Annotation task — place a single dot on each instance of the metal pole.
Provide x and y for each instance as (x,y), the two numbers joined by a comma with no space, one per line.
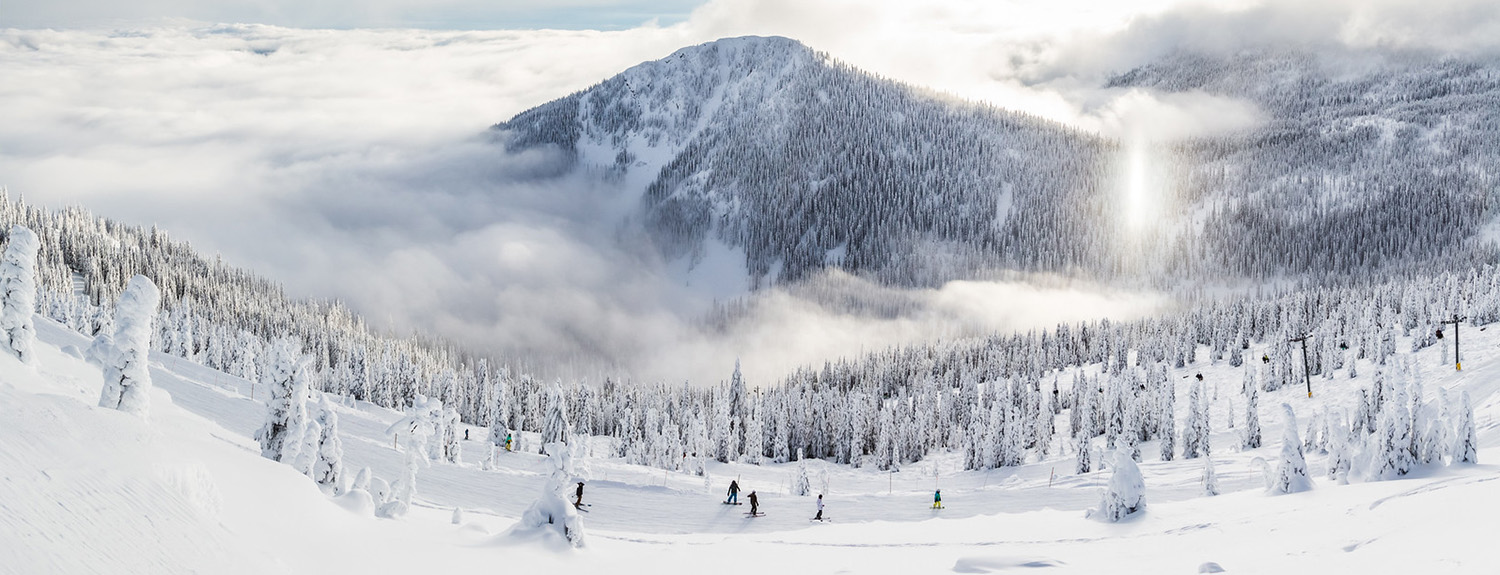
(1306,371)
(1457,365)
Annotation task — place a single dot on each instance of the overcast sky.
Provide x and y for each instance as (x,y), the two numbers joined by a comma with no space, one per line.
(345,14)
(350,163)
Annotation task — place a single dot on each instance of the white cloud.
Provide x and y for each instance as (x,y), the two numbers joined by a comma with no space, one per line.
(351,163)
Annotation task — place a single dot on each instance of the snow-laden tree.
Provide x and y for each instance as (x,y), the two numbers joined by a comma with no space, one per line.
(1125,495)
(1340,449)
(498,414)
(1044,428)
(1251,438)
(1167,422)
(307,449)
(452,449)
(801,480)
(414,433)
(552,512)
(286,412)
(1291,468)
(555,427)
(329,468)
(739,412)
(1194,442)
(1391,447)
(1083,455)
(127,379)
(754,437)
(18,294)
(1465,442)
(1210,480)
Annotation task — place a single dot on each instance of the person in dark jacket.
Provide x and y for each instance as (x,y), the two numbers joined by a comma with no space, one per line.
(579,493)
(754,504)
(734,492)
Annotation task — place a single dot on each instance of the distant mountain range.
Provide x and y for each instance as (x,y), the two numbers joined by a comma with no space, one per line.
(763,151)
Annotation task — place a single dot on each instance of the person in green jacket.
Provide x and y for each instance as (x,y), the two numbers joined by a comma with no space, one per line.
(937,499)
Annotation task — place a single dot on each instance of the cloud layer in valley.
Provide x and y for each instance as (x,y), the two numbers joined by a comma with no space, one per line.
(354,163)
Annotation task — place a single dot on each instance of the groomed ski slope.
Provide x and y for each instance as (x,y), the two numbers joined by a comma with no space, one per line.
(85,490)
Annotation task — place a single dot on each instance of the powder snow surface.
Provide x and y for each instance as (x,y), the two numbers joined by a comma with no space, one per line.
(85,489)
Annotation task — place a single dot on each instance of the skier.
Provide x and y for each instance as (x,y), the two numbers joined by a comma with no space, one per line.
(937,499)
(819,517)
(734,492)
(579,494)
(754,505)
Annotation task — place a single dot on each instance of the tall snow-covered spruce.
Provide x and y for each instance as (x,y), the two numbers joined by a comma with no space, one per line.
(286,412)
(1466,444)
(18,293)
(1291,468)
(555,428)
(329,469)
(127,377)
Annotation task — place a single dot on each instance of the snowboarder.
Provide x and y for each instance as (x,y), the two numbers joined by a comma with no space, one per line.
(734,492)
(466,435)
(507,442)
(754,505)
(937,499)
(819,517)
(579,494)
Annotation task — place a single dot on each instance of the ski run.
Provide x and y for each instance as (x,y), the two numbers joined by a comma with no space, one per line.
(184,485)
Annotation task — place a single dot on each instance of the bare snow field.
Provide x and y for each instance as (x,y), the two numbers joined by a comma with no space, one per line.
(90,490)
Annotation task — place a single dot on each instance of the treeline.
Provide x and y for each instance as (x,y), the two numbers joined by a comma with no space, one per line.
(992,398)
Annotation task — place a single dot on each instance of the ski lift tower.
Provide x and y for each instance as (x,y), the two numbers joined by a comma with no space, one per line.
(1306,372)
(1457,365)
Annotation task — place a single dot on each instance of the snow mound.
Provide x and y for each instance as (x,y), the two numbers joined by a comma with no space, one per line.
(991,564)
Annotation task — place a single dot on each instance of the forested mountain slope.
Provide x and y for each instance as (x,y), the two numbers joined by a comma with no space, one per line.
(1362,162)
(802,162)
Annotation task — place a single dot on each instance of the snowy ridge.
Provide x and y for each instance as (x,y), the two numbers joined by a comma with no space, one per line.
(803,163)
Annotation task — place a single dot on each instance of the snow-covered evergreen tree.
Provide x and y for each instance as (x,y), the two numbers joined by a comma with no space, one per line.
(1210,480)
(1392,445)
(498,415)
(329,469)
(1125,495)
(127,380)
(414,433)
(801,481)
(1465,442)
(552,511)
(286,412)
(555,427)
(1251,436)
(1083,455)
(452,449)
(1193,439)
(1291,468)
(754,441)
(1340,451)
(307,447)
(1045,426)
(18,293)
